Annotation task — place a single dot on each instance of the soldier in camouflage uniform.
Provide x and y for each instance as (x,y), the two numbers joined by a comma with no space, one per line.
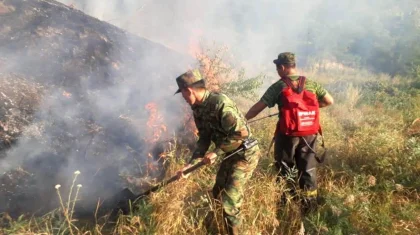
(293,151)
(218,119)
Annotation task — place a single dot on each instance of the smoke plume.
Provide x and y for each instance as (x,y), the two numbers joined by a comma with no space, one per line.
(99,85)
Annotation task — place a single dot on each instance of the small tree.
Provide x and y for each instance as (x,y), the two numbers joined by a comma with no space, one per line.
(223,77)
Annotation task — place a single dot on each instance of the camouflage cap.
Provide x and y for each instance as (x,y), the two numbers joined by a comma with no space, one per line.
(189,79)
(285,58)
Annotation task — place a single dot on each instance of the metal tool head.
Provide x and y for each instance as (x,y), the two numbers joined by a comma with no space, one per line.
(249,143)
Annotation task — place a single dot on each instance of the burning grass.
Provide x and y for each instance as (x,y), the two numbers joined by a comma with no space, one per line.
(369,185)
(52,141)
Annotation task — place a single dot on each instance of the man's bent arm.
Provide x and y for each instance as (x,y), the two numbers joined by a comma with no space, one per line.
(326,101)
(255,110)
(204,141)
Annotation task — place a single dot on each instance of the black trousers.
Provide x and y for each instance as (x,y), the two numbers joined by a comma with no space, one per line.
(291,151)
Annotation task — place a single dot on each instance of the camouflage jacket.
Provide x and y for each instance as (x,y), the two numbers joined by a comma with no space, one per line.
(218,119)
(272,96)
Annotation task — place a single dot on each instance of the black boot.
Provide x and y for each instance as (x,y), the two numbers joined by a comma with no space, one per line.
(232,229)
(309,205)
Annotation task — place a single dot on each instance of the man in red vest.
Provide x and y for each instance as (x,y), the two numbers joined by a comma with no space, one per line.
(294,149)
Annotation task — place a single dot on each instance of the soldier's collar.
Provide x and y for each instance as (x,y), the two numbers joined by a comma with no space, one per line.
(294,77)
(205,99)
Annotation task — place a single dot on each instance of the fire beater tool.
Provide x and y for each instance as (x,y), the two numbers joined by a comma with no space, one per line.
(122,202)
(256,120)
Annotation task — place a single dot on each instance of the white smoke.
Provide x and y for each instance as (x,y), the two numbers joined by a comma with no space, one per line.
(256,31)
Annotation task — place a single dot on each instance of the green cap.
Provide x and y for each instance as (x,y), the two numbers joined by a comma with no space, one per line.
(189,79)
(285,58)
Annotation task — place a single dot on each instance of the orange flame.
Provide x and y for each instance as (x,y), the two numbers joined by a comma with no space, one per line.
(189,124)
(155,129)
(155,123)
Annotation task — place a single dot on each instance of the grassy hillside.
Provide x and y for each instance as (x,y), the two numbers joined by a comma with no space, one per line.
(70,82)
(370,182)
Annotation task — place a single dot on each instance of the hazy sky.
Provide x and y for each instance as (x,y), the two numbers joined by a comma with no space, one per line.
(254,30)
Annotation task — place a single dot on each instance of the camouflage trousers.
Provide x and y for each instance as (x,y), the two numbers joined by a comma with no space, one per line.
(231,179)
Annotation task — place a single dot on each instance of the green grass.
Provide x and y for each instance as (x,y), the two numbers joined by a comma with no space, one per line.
(369,183)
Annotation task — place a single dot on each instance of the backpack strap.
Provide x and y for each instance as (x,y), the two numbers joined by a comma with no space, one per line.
(301,84)
(321,158)
(288,82)
(322,137)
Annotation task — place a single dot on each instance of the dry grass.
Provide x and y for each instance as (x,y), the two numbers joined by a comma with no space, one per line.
(19,98)
(370,182)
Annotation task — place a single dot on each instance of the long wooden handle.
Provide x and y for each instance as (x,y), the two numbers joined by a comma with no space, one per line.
(259,119)
(170,180)
(187,171)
